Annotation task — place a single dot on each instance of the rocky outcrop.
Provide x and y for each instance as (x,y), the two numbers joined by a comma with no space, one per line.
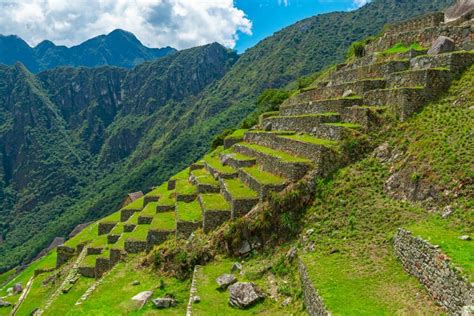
(244,294)
(435,271)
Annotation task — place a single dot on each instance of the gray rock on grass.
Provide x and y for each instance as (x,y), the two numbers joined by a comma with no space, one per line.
(224,280)
(164,302)
(244,294)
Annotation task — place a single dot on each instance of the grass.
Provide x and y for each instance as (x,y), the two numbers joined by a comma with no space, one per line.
(117,230)
(133,219)
(345,125)
(285,157)
(214,202)
(183,187)
(108,300)
(89,261)
(437,231)
(241,157)
(326,114)
(182,175)
(204,177)
(99,241)
(400,48)
(88,233)
(135,205)
(140,233)
(164,221)
(239,191)
(263,177)
(158,192)
(149,210)
(188,212)
(214,162)
(238,134)
(313,140)
(167,199)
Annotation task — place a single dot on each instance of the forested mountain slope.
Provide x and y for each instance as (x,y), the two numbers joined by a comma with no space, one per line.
(130,130)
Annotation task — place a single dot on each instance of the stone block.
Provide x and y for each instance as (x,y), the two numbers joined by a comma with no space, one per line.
(144,220)
(112,238)
(184,229)
(165,208)
(87,272)
(64,253)
(319,106)
(127,228)
(312,300)
(102,265)
(106,227)
(263,190)
(125,214)
(135,246)
(156,237)
(94,250)
(443,44)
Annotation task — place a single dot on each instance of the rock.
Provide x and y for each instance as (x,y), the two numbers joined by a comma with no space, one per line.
(467,310)
(465,237)
(142,297)
(135,283)
(164,302)
(448,210)
(267,127)
(310,231)
(245,248)
(17,288)
(236,267)
(286,302)
(442,45)
(225,280)
(36,311)
(291,254)
(382,152)
(196,299)
(459,9)
(348,93)
(4,304)
(244,294)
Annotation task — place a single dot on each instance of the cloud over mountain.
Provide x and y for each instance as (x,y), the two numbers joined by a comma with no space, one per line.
(157,23)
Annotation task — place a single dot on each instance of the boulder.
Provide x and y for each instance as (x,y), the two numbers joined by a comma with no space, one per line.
(164,302)
(196,299)
(267,127)
(225,280)
(244,294)
(465,237)
(17,288)
(4,304)
(236,267)
(348,93)
(442,45)
(245,248)
(142,297)
(135,283)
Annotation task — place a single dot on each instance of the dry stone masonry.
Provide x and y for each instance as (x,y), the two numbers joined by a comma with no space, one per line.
(435,271)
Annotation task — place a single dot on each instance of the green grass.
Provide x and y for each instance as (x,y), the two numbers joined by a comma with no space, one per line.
(133,219)
(313,140)
(437,231)
(345,125)
(188,212)
(238,190)
(283,156)
(118,229)
(135,205)
(113,295)
(89,261)
(310,115)
(99,241)
(66,302)
(401,48)
(140,233)
(238,134)
(214,202)
(204,177)
(215,163)
(167,199)
(263,177)
(182,175)
(149,210)
(159,191)
(361,285)
(164,221)
(215,302)
(183,187)
(5,276)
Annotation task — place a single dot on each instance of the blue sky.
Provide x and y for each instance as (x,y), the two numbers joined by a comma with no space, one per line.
(269,16)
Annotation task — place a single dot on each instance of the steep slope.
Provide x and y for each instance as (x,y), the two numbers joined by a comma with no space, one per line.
(118,48)
(153,135)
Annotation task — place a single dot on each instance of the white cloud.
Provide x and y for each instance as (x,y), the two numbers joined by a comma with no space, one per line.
(157,23)
(360,3)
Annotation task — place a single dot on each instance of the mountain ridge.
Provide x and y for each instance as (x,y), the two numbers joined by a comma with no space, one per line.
(117,48)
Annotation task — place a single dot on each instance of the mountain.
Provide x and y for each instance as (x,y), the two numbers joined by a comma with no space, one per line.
(118,48)
(132,129)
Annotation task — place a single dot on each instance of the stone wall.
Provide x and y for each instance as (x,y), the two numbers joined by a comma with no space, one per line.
(313,302)
(87,272)
(417,23)
(185,229)
(102,265)
(106,227)
(156,237)
(462,35)
(64,253)
(434,270)
(135,246)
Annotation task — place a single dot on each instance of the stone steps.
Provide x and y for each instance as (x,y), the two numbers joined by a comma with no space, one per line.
(216,210)
(363,116)
(320,106)
(188,218)
(277,162)
(237,160)
(218,170)
(371,71)
(435,80)
(300,123)
(204,181)
(456,61)
(240,197)
(262,182)
(403,102)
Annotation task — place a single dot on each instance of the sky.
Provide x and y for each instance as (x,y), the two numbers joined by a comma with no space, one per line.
(238,24)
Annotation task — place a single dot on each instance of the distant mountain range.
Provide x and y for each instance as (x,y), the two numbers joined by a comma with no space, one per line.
(118,48)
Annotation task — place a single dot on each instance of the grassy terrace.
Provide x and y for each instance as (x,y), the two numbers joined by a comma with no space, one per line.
(213,161)
(133,219)
(90,232)
(345,125)
(241,157)
(264,177)
(188,212)
(204,177)
(149,210)
(140,233)
(238,134)
(99,241)
(158,192)
(89,261)
(438,232)
(283,156)
(167,199)
(117,230)
(214,202)
(182,175)
(238,190)
(183,187)
(313,140)
(164,221)
(135,205)
(326,114)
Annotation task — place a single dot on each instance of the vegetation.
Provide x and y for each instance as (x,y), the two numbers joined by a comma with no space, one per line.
(400,48)
(214,202)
